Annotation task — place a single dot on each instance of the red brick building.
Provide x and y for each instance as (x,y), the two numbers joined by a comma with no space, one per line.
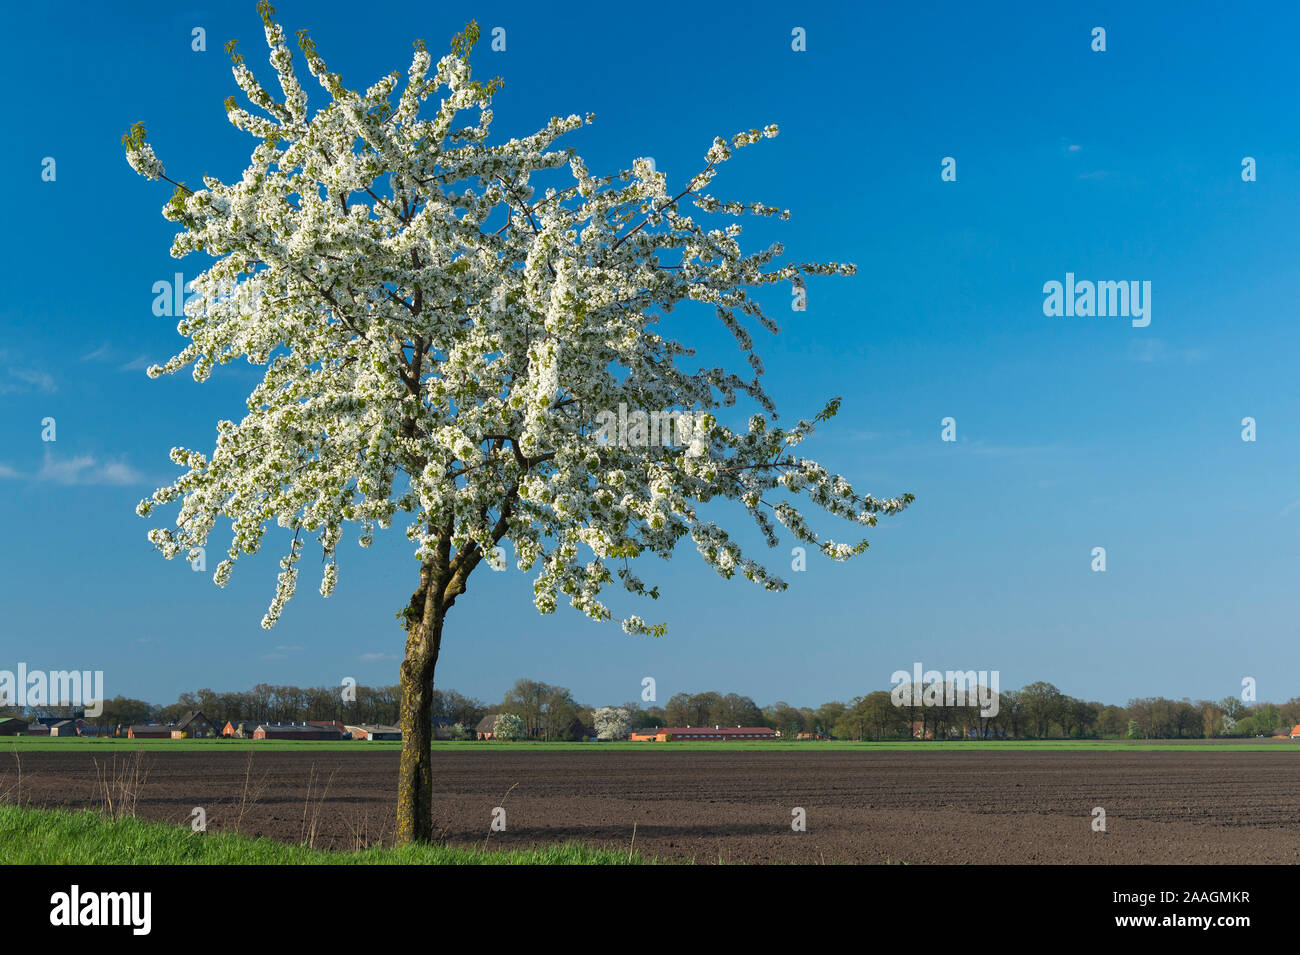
(295,731)
(667,734)
(149,731)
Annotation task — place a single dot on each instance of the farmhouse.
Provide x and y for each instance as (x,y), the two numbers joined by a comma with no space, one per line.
(12,726)
(486,727)
(1295,732)
(666,734)
(194,725)
(149,731)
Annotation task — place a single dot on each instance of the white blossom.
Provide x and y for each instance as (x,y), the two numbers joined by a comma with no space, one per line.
(438,338)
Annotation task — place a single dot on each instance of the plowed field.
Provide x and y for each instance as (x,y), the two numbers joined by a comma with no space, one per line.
(735,806)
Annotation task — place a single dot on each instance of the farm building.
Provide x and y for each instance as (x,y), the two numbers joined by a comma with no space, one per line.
(330,724)
(149,731)
(1295,732)
(66,728)
(665,734)
(295,731)
(371,731)
(245,729)
(12,726)
(486,727)
(194,725)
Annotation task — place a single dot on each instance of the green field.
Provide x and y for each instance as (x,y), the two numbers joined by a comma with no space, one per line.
(58,837)
(27,744)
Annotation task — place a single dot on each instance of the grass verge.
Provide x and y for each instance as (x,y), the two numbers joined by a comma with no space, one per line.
(59,837)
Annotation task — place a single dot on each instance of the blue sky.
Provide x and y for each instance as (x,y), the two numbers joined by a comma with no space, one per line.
(1073,432)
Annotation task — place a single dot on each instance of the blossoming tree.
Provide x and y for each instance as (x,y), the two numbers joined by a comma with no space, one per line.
(440,341)
(612,722)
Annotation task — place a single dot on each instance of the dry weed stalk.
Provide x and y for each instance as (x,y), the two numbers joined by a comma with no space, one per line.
(120,788)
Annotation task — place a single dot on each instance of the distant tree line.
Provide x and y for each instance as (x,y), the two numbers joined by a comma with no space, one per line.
(271,703)
(1041,711)
(549,712)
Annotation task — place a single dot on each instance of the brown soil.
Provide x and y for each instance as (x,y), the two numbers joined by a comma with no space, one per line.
(735,806)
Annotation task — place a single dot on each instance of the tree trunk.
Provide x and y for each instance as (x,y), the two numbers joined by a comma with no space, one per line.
(442,580)
(415,776)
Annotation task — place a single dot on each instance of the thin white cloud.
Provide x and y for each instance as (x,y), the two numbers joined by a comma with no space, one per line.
(106,353)
(26,379)
(86,469)
(7,472)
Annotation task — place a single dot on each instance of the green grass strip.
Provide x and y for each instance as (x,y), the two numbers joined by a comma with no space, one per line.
(60,837)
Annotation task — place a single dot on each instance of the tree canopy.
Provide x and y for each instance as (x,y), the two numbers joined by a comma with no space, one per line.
(444,343)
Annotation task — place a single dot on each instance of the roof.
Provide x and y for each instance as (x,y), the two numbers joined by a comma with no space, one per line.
(189,718)
(295,728)
(12,719)
(154,727)
(1296,731)
(486,724)
(714,730)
